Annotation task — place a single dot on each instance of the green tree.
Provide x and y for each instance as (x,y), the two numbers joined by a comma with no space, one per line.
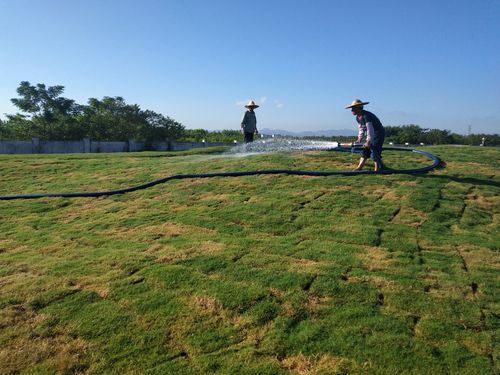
(4,130)
(195,135)
(43,101)
(410,134)
(111,119)
(437,137)
(18,126)
(158,127)
(46,114)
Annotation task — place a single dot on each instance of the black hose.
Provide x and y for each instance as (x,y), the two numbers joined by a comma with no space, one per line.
(436,162)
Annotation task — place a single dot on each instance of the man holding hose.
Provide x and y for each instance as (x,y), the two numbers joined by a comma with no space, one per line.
(370,127)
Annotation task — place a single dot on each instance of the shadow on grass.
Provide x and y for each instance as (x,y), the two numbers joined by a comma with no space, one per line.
(466,180)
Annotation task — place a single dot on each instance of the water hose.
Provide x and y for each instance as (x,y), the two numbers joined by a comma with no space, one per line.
(95,194)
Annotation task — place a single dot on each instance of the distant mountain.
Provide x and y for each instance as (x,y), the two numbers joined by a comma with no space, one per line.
(310,133)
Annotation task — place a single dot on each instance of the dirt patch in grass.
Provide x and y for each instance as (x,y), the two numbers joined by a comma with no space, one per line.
(409,216)
(186,183)
(15,248)
(60,246)
(160,249)
(476,345)
(375,259)
(448,290)
(215,196)
(304,265)
(84,207)
(428,246)
(340,189)
(264,236)
(16,277)
(407,183)
(393,195)
(255,199)
(484,202)
(438,287)
(176,229)
(478,257)
(316,304)
(64,354)
(378,281)
(382,192)
(177,208)
(19,283)
(171,258)
(28,347)
(309,365)
(171,254)
(168,229)
(13,315)
(207,305)
(94,286)
(478,168)
(275,292)
(211,247)
(317,192)
(376,192)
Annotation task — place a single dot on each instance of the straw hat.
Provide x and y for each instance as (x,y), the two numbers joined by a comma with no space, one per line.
(356,103)
(251,104)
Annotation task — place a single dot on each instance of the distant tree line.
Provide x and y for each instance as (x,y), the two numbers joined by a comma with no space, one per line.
(198,135)
(47,115)
(414,134)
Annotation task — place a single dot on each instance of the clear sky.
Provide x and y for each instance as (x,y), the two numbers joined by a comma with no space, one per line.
(434,63)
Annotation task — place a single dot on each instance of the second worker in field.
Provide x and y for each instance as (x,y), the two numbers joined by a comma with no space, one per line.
(249,122)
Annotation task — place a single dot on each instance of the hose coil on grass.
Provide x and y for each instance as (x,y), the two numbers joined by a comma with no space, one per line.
(436,162)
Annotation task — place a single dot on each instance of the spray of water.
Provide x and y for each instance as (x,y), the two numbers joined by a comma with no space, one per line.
(281,145)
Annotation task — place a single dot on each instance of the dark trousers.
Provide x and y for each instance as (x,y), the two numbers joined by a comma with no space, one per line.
(376,146)
(248,137)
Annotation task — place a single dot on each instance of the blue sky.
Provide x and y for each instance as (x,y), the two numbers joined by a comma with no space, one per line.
(435,63)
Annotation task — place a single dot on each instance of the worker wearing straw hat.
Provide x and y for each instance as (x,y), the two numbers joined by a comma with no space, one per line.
(249,122)
(371,127)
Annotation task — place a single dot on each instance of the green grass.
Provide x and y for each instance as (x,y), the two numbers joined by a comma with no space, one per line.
(272,274)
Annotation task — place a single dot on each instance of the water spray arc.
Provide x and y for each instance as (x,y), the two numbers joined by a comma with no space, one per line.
(434,158)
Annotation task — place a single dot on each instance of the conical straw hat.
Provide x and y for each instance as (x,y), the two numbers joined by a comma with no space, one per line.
(356,103)
(251,104)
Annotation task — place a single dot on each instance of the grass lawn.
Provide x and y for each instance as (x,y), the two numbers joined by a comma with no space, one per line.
(274,274)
